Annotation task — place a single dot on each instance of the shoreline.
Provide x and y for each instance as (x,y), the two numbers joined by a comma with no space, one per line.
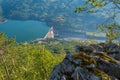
(4,21)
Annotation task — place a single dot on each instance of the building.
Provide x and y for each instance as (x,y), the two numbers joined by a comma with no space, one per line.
(50,33)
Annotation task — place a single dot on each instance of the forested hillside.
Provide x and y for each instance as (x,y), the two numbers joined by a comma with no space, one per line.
(25,61)
(57,13)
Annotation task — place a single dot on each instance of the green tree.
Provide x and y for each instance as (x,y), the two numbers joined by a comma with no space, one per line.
(4,44)
(92,5)
(112,32)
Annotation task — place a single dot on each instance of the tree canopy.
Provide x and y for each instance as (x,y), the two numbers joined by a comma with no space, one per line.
(25,61)
(111,29)
(92,5)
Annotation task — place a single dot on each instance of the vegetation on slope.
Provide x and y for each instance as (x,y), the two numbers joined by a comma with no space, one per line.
(25,61)
(57,13)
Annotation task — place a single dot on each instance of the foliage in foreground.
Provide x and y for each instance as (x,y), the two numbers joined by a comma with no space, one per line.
(92,5)
(112,32)
(25,61)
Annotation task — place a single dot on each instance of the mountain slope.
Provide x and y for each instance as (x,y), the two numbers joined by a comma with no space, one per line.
(57,13)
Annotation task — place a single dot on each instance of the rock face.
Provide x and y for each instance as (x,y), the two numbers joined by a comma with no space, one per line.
(93,62)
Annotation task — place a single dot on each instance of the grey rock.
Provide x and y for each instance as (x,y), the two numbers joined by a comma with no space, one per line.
(82,74)
(117,56)
(72,69)
(97,47)
(86,49)
(110,68)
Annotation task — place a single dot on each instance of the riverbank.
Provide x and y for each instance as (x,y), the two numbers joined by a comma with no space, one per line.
(3,21)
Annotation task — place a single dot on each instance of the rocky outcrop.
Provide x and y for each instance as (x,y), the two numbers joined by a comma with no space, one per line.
(93,62)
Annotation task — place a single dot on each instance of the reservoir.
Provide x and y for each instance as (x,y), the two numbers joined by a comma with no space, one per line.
(24,30)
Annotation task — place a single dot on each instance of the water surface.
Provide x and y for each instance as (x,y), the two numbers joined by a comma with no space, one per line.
(24,30)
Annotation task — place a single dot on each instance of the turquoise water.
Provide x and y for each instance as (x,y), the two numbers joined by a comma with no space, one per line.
(24,30)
